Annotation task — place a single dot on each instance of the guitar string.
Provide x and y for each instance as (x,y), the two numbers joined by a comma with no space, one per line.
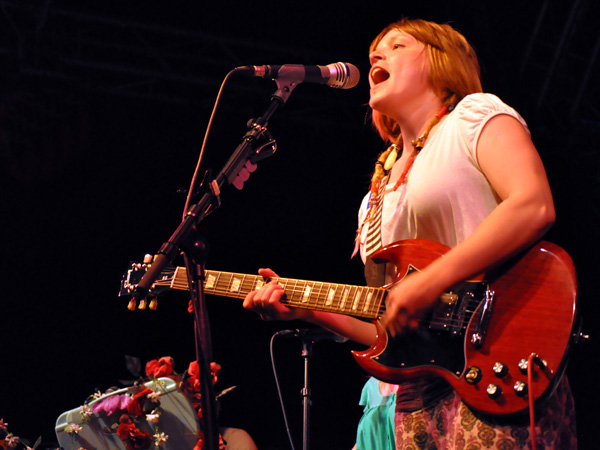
(299,289)
(297,293)
(246,285)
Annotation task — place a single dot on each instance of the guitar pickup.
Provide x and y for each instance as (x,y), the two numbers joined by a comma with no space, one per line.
(484,319)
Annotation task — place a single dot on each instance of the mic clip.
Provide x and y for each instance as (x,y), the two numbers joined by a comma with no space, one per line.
(264,144)
(313,335)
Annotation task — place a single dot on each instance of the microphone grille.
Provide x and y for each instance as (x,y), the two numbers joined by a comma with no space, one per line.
(343,75)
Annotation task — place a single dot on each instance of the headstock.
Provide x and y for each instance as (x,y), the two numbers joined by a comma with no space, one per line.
(132,277)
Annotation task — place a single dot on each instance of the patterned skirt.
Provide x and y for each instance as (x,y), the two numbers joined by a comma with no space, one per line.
(450,425)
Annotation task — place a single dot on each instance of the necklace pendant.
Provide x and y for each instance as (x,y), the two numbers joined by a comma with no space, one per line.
(418,143)
(391,158)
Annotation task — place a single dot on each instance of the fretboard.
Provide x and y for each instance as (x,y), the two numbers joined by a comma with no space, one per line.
(358,301)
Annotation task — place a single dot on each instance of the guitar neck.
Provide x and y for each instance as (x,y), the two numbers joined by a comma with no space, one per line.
(358,301)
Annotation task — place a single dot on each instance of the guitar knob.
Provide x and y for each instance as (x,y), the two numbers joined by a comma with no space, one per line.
(523,365)
(520,388)
(473,375)
(500,369)
(494,391)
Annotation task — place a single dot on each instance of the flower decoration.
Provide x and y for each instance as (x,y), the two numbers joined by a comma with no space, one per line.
(141,404)
(132,437)
(73,428)
(139,407)
(160,439)
(153,417)
(162,367)
(112,403)
(9,441)
(86,413)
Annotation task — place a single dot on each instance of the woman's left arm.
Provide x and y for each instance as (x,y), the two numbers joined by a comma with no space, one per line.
(515,171)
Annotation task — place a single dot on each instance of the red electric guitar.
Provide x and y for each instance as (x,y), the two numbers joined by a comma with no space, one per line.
(479,336)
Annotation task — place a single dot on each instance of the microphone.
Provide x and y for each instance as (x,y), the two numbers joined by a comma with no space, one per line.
(313,335)
(338,75)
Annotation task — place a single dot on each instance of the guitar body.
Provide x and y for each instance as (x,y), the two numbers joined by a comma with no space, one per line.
(532,311)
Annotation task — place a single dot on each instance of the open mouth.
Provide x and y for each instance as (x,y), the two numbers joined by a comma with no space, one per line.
(378,75)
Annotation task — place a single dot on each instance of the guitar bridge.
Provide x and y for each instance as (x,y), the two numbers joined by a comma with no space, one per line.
(456,307)
(486,311)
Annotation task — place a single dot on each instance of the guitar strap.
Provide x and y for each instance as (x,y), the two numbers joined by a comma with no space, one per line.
(375,272)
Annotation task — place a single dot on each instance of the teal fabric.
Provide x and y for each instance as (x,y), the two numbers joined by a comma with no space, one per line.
(376,426)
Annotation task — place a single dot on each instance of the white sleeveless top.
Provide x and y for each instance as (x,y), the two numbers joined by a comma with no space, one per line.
(447,196)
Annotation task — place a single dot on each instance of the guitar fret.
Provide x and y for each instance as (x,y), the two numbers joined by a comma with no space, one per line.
(235,284)
(356,301)
(330,296)
(306,293)
(228,280)
(351,295)
(283,283)
(217,280)
(175,280)
(319,295)
(294,290)
(344,297)
(244,286)
(210,281)
(339,296)
(368,300)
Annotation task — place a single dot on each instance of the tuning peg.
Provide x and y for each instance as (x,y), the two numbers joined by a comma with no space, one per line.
(143,304)
(148,259)
(132,304)
(153,304)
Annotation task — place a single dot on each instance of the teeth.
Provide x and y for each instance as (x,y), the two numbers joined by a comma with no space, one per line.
(378,75)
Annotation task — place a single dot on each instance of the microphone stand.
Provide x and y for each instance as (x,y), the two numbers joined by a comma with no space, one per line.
(307,345)
(185,240)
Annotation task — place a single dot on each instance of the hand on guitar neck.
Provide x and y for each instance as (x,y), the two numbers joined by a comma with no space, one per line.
(266,301)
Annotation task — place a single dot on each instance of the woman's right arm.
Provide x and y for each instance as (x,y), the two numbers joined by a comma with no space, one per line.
(266,301)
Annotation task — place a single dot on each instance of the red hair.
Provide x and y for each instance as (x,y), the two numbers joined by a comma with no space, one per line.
(453,66)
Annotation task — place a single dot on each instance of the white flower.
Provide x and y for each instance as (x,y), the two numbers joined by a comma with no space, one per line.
(86,411)
(160,438)
(11,441)
(153,417)
(73,428)
(154,396)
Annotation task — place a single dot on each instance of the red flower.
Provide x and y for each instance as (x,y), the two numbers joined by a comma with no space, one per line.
(142,393)
(194,371)
(200,442)
(135,406)
(160,368)
(132,436)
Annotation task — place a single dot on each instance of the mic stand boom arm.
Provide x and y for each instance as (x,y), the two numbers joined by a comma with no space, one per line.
(198,212)
(183,239)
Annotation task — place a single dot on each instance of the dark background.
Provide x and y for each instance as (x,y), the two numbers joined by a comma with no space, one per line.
(103,109)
